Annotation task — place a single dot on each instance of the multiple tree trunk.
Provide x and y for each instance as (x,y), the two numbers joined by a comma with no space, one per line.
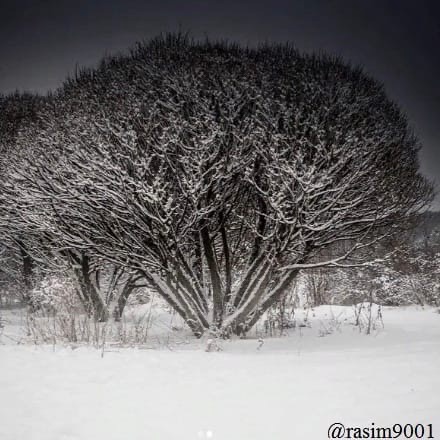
(214,171)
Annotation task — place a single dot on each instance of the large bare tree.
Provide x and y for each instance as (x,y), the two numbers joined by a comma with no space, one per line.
(28,245)
(219,172)
(17,110)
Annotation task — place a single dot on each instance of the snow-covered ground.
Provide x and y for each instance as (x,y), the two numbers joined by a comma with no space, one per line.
(292,387)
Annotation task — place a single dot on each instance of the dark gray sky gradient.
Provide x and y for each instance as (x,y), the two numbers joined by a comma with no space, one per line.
(397,41)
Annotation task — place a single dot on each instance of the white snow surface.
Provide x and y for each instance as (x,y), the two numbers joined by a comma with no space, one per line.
(293,387)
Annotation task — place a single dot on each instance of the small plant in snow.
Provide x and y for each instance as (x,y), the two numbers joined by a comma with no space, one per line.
(56,294)
(368,316)
(56,314)
(330,326)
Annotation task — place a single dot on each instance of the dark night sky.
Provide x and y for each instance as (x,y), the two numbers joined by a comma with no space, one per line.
(396,41)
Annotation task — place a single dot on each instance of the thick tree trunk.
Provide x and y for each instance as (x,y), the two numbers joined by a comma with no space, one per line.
(93,302)
(122,301)
(216,284)
(195,320)
(27,272)
(274,296)
(228,268)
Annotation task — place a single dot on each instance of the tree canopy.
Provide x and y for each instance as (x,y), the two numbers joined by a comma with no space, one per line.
(217,171)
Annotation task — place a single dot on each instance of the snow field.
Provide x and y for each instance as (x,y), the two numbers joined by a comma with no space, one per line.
(293,387)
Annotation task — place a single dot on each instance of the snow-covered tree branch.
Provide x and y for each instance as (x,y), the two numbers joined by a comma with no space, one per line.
(219,172)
